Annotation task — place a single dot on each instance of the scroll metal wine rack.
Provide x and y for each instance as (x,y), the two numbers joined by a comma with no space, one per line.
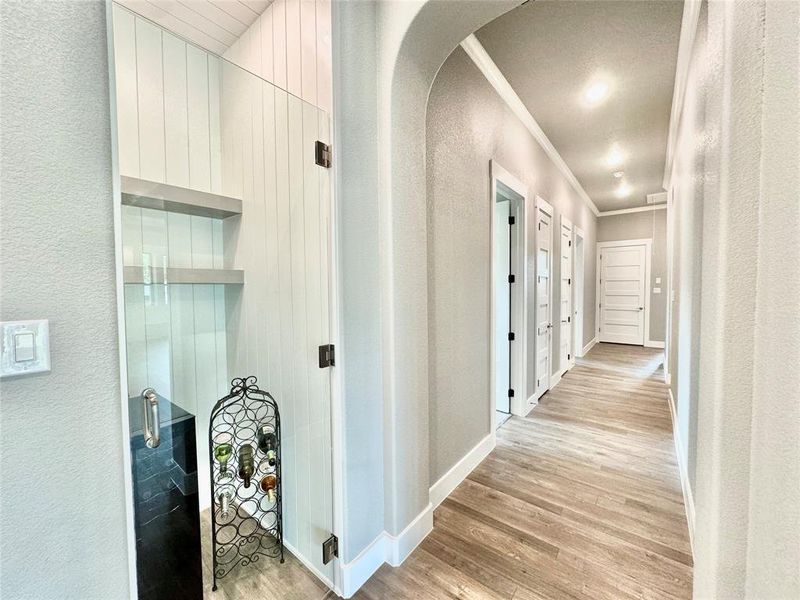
(246,512)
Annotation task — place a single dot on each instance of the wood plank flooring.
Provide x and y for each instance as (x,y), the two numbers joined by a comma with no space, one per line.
(580,499)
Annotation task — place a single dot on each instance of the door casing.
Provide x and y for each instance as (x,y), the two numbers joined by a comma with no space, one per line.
(542,206)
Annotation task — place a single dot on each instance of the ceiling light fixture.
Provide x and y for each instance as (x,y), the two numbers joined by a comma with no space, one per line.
(618,174)
(615,157)
(596,92)
(623,191)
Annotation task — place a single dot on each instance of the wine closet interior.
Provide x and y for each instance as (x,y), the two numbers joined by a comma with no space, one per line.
(225,222)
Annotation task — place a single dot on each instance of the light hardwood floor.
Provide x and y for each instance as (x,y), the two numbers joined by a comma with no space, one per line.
(580,499)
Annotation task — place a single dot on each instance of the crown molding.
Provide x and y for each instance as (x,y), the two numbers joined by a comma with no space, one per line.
(495,77)
(627,211)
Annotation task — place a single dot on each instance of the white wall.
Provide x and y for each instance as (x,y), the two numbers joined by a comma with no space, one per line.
(62,507)
(735,184)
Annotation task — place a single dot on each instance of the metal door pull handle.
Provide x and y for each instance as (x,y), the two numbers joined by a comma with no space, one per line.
(152,429)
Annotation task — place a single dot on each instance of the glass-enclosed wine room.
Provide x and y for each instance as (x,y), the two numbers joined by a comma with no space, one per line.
(225,227)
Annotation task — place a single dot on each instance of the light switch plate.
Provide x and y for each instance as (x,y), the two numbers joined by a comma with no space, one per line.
(25,347)
(656,290)
(658,279)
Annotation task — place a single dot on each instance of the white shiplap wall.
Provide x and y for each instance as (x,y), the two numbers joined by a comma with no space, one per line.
(289,45)
(189,118)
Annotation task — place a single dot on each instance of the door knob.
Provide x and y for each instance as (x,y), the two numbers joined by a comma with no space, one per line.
(151,427)
(641,308)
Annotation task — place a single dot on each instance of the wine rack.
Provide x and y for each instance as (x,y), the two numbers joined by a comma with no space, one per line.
(246,516)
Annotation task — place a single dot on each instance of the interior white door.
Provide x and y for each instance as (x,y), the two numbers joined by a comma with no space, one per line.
(544,260)
(565,338)
(622,294)
(502,303)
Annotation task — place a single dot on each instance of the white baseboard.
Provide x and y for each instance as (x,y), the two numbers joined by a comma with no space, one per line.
(653,344)
(688,497)
(555,379)
(588,346)
(458,472)
(400,546)
(362,567)
(385,548)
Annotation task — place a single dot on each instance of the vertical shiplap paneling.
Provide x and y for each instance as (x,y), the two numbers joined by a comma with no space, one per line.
(287,337)
(127,95)
(272,309)
(294,61)
(183,347)
(215,126)
(206,370)
(175,111)
(131,235)
(202,243)
(267,50)
(179,234)
(308,50)
(279,43)
(258,217)
(150,88)
(155,251)
(223,381)
(199,132)
(300,364)
(314,336)
(324,56)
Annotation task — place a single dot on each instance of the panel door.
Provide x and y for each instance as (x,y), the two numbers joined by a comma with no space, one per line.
(544,260)
(565,339)
(502,303)
(622,294)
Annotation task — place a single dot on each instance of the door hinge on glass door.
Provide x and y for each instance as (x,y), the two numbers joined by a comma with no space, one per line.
(327,356)
(330,549)
(322,154)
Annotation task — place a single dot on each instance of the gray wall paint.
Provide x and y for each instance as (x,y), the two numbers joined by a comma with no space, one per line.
(468,125)
(61,430)
(356,171)
(635,226)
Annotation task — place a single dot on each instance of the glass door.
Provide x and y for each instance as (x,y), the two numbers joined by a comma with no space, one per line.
(226,253)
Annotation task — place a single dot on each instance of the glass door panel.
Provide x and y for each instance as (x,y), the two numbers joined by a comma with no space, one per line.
(226,253)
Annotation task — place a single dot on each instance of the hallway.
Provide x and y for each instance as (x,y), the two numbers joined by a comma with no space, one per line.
(580,499)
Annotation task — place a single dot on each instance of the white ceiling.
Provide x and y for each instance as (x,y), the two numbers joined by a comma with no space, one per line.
(549,51)
(212,24)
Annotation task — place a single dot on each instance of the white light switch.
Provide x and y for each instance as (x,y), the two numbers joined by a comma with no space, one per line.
(25,347)
(656,290)
(658,279)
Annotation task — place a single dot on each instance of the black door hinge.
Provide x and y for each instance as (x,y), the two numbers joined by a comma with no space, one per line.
(569,281)
(512,220)
(569,356)
(510,393)
(569,319)
(510,336)
(540,225)
(330,549)
(511,279)
(570,242)
(322,154)
(327,356)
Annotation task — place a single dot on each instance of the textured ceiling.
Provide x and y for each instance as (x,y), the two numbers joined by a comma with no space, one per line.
(211,24)
(549,51)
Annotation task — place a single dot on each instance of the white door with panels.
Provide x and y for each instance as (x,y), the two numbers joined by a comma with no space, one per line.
(623,292)
(543,316)
(565,337)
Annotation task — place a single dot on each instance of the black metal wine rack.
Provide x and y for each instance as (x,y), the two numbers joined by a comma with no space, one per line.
(245,524)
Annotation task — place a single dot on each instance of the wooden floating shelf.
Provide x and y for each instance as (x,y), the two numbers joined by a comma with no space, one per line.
(172,198)
(150,275)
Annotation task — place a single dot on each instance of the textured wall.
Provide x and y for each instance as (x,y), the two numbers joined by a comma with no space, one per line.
(642,225)
(63,521)
(468,124)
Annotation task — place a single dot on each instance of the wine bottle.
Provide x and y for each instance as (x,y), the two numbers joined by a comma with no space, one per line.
(268,485)
(224,499)
(223,453)
(268,443)
(246,464)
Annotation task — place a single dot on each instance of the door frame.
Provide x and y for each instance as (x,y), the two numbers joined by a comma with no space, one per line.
(648,253)
(567,224)
(543,206)
(518,355)
(578,308)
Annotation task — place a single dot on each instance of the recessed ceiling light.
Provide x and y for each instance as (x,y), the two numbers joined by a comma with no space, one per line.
(623,191)
(615,157)
(596,92)
(618,174)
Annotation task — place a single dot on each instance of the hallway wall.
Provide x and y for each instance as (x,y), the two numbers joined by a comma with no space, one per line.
(63,521)
(468,125)
(642,225)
